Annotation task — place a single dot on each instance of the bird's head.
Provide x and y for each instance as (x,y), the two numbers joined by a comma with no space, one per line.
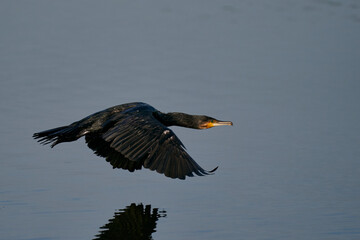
(189,121)
(205,122)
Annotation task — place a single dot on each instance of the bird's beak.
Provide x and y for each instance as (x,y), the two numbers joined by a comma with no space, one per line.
(222,123)
(217,123)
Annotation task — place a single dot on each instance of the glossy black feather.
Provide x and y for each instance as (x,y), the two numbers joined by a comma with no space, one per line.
(140,137)
(131,136)
(116,159)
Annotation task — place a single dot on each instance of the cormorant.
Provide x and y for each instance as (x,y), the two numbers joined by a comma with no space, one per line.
(133,135)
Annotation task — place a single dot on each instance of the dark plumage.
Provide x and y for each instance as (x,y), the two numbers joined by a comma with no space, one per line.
(133,135)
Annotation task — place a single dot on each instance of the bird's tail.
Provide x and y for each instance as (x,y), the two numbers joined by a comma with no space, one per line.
(57,135)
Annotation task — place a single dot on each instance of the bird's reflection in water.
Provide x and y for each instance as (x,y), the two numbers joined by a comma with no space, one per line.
(134,222)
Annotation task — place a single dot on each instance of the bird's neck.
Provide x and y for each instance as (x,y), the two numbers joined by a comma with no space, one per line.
(177,119)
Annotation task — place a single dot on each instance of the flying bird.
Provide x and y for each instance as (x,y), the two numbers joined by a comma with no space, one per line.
(135,135)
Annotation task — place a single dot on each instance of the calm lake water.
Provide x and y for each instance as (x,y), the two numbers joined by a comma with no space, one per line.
(285,72)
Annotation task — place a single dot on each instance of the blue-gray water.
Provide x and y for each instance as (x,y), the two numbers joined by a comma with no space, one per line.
(285,72)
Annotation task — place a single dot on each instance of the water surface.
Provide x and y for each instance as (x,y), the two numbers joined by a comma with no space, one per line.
(285,72)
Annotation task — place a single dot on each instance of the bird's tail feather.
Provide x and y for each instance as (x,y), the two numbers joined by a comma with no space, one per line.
(57,135)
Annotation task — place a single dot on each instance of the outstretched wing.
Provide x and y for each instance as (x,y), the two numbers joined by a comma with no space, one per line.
(138,138)
(116,159)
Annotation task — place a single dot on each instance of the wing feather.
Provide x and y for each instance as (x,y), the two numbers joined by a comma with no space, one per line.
(139,139)
(116,159)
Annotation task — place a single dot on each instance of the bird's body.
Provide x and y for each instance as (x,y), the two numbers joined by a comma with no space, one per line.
(133,135)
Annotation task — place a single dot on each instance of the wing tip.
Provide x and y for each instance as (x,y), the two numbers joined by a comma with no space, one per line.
(198,172)
(212,171)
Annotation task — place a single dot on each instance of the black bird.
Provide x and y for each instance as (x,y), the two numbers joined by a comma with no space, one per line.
(133,135)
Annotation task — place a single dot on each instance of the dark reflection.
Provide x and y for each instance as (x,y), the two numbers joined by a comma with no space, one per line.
(133,222)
